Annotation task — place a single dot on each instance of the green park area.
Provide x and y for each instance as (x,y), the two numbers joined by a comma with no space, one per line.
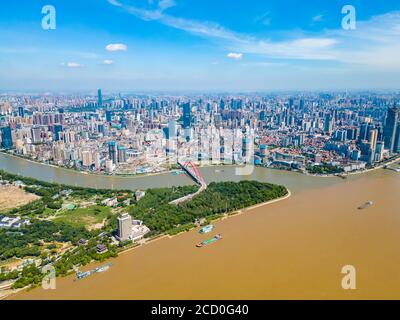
(92,217)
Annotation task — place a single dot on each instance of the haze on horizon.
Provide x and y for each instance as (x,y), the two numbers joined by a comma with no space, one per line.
(187,45)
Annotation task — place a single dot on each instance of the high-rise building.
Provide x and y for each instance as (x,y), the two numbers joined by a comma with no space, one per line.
(100,128)
(99,99)
(380,146)
(355,155)
(397,140)
(21,111)
(390,129)
(363,132)
(58,128)
(373,138)
(166,133)
(109,166)
(246,149)
(6,138)
(341,135)
(301,104)
(187,115)
(112,151)
(351,134)
(109,115)
(172,129)
(121,154)
(187,120)
(328,124)
(124,227)
(36,133)
(87,159)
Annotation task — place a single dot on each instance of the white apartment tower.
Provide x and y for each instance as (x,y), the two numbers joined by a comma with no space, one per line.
(124,227)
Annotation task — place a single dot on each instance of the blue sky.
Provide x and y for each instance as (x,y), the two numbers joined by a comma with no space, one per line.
(202,45)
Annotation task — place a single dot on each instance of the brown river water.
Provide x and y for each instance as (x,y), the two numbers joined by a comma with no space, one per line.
(292,249)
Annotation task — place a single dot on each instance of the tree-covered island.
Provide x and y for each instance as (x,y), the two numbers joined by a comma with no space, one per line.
(67,224)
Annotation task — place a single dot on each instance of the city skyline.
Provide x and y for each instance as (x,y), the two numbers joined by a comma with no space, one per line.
(137,134)
(168,45)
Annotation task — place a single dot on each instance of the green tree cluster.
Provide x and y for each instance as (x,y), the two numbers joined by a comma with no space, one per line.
(160,216)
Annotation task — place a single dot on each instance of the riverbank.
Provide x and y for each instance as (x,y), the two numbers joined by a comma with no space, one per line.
(117,175)
(155,178)
(130,176)
(293,249)
(345,174)
(143,243)
(232,194)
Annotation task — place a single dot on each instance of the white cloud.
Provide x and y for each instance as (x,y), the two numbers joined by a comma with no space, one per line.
(115,3)
(108,62)
(112,47)
(374,43)
(200,28)
(72,65)
(302,49)
(235,56)
(318,18)
(166,4)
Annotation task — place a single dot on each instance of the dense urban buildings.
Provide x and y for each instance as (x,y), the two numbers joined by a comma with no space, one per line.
(134,134)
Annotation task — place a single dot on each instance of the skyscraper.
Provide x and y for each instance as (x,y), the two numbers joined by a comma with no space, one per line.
(373,138)
(363,132)
(380,146)
(328,124)
(172,129)
(390,130)
(6,138)
(187,120)
(112,151)
(99,99)
(397,140)
(121,154)
(109,115)
(21,111)
(58,128)
(124,227)
(36,134)
(301,104)
(187,117)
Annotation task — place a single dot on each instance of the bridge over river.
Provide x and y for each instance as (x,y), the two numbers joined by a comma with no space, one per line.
(192,171)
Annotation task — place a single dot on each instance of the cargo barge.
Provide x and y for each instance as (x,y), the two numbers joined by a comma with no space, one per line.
(209,241)
(365,205)
(83,275)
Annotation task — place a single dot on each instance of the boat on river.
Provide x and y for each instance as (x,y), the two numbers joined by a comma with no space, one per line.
(206,229)
(83,275)
(103,268)
(209,241)
(366,205)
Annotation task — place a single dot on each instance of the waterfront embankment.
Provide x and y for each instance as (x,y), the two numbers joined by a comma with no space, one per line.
(292,249)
